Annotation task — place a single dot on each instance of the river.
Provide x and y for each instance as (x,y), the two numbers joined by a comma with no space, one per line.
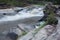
(29,16)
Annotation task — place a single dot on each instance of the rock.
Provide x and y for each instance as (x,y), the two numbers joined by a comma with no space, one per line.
(25,27)
(51,32)
(15,30)
(44,33)
(50,29)
(10,10)
(58,13)
(17,9)
(12,36)
(20,29)
(40,35)
(55,35)
(50,7)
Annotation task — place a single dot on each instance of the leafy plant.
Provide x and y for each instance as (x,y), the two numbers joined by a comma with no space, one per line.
(51,18)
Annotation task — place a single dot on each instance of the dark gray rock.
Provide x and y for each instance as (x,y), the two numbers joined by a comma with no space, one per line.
(12,36)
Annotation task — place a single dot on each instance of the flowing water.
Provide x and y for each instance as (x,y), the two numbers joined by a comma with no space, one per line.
(26,16)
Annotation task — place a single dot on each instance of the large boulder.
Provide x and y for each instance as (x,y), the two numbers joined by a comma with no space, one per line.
(12,36)
(44,33)
(40,35)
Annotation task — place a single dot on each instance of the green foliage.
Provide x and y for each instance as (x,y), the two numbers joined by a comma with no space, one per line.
(23,33)
(13,2)
(40,27)
(51,18)
(23,2)
(54,1)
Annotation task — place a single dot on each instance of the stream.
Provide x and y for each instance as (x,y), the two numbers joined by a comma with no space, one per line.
(28,16)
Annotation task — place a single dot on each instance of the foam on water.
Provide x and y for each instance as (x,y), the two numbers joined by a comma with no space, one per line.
(23,14)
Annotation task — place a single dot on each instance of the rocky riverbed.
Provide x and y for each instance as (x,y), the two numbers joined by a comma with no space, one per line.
(28,27)
(9,23)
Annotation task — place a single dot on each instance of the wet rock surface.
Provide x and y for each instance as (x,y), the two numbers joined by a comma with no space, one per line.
(40,35)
